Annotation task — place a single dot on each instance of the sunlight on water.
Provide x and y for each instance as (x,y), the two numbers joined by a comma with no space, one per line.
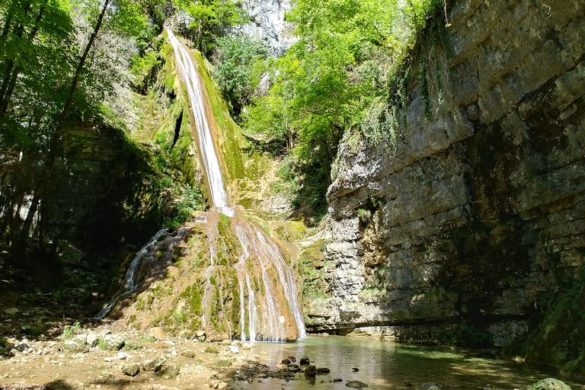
(387,365)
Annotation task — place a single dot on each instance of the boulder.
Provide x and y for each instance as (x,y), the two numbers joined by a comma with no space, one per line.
(168,371)
(549,384)
(131,369)
(154,365)
(74,346)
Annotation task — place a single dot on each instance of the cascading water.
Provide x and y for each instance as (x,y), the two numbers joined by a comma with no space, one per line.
(266,285)
(130,283)
(206,145)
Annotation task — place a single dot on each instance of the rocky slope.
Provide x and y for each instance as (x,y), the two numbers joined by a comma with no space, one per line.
(470,217)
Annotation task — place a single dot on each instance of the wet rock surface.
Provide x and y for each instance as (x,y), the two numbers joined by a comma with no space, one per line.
(357,385)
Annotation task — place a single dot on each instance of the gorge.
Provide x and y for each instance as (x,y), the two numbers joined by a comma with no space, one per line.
(345,190)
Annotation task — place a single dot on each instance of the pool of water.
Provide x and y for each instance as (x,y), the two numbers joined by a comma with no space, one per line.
(387,365)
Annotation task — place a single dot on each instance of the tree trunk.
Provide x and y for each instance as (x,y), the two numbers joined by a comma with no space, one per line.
(47,180)
(21,240)
(8,22)
(6,94)
(78,70)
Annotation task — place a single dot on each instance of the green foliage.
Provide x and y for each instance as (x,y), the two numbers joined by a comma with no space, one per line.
(239,68)
(41,67)
(71,330)
(312,261)
(557,342)
(210,19)
(190,200)
(334,78)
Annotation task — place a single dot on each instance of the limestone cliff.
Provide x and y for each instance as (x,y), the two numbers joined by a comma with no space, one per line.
(268,23)
(471,216)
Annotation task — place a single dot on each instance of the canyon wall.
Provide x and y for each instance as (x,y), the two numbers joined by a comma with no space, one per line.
(469,219)
(267,22)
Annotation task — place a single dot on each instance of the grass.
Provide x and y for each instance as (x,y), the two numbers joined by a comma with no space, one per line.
(71,331)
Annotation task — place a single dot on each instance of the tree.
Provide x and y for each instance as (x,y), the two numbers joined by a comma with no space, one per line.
(328,82)
(210,19)
(239,63)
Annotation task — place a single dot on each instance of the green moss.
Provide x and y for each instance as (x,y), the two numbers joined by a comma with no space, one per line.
(558,341)
(313,271)
(228,244)
(194,297)
(230,137)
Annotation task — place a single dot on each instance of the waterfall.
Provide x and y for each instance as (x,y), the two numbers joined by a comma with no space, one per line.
(206,145)
(271,307)
(130,283)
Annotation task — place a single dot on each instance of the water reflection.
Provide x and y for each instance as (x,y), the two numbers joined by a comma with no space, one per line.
(386,365)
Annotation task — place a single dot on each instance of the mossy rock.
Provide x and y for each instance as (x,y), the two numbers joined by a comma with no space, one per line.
(549,384)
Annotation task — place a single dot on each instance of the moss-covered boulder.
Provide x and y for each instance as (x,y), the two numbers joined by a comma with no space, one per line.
(549,384)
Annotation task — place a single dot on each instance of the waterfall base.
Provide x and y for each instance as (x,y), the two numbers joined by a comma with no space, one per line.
(219,276)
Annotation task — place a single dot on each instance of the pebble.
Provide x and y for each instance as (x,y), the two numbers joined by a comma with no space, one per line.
(356,384)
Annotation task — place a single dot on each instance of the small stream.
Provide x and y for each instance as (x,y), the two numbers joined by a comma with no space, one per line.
(387,365)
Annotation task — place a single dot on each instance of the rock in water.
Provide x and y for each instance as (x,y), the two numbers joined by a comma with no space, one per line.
(293,367)
(310,371)
(131,370)
(549,384)
(305,361)
(356,384)
(323,371)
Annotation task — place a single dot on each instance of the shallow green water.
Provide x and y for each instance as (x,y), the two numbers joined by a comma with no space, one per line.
(387,365)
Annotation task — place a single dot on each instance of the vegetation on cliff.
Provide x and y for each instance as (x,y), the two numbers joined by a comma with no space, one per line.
(330,80)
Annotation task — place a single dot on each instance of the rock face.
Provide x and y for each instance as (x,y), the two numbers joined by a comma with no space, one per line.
(471,217)
(268,23)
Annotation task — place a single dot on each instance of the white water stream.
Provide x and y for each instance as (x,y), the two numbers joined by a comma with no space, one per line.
(130,284)
(256,246)
(196,95)
(267,287)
